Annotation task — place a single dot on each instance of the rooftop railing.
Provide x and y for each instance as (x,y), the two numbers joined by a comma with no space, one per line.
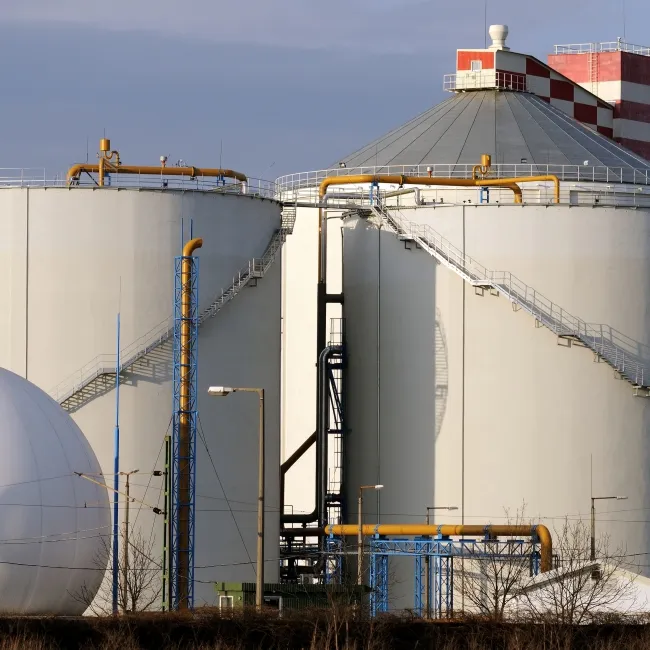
(487,79)
(607,46)
(38,177)
(566,173)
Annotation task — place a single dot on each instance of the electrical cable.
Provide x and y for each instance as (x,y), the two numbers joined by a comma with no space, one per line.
(213,498)
(74,532)
(205,443)
(137,514)
(36,480)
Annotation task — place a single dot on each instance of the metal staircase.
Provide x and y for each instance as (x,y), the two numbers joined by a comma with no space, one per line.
(98,376)
(623,354)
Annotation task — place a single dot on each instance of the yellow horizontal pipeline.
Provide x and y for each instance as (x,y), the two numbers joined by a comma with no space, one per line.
(507,183)
(411,530)
(75,171)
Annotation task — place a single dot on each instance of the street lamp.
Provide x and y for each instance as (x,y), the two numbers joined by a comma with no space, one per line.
(360,536)
(224,391)
(593,521)
(427,570)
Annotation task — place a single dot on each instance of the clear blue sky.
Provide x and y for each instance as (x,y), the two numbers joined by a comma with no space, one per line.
(297,83)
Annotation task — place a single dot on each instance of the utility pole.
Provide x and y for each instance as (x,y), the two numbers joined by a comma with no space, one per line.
(259,584)
(125,546)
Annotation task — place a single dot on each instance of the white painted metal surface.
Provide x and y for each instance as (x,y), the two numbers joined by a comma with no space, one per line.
(71,259)
(524,411)
(52,522)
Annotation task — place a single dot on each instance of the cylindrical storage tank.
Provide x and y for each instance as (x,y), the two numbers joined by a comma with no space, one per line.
(54,524)
(71,260)
(457,399)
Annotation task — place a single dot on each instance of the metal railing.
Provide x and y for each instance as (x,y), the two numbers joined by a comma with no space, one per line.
(286,185)
(487,79)
(622,353)
(38,177)
(608,46)
(105,364)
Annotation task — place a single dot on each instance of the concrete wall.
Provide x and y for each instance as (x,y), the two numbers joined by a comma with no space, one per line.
(524,415)
(71,259)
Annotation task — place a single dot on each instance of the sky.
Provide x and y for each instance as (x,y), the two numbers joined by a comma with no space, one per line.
(267,86)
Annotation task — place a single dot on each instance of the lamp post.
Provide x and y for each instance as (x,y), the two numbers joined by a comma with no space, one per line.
(427,570)
(223,391)
(593,522)
(360,536)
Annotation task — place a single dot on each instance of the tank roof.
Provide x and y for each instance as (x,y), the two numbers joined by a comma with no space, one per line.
(514,127)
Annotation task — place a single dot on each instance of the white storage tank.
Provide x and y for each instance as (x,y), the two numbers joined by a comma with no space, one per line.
(453,397)
(72,258)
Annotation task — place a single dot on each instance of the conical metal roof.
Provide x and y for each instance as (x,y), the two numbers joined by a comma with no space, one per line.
(514,127)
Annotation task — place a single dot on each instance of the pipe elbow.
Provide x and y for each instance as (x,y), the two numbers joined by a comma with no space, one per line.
(238,176)
(517,192)
(546,544)
(191,246)
(74,172)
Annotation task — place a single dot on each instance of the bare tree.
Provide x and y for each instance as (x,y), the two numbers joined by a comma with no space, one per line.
(139,578)
(493,579)
(581,590)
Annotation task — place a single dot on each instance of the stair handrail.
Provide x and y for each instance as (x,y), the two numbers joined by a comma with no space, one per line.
(619,350)
(163,331)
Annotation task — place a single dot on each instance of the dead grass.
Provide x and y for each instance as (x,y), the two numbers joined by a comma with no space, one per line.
(312,630)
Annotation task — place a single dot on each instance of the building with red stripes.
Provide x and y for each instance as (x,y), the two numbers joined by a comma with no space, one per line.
(618,73)
(498,67)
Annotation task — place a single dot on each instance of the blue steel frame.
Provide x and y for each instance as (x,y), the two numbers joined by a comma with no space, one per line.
(441,551)
(378,582)
(191,414)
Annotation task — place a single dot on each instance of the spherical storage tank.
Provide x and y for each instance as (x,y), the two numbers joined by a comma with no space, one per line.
(73,257)
(53,522)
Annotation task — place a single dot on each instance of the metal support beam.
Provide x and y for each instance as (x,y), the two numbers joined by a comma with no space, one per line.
(441,552)
(186,321)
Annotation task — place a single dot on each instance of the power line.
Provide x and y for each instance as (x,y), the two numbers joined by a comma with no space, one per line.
(74,532)
(137,514)
(36,480)
(205,443)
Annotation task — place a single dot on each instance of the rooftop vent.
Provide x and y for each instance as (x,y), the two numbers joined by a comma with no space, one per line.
(498,34)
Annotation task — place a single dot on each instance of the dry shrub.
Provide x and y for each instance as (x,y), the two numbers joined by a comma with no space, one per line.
(329,629)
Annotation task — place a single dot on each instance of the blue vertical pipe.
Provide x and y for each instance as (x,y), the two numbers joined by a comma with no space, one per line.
(116,468)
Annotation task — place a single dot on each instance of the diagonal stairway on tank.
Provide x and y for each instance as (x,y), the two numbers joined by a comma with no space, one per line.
(152,352)
(620,352)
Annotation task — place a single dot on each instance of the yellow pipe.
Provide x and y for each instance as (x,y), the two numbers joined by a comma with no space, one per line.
(507,183)
(411,530)
(532,179)
(76,170)
(184,422)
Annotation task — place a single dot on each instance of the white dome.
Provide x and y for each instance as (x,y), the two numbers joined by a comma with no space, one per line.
(49,517)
